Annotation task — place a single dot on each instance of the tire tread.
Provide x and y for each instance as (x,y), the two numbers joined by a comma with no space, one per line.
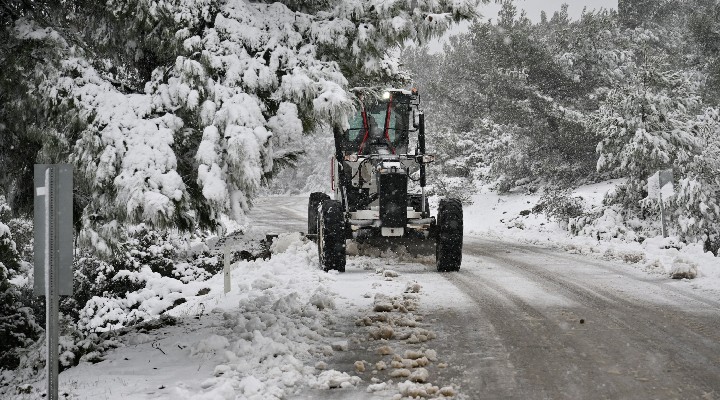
(332,249)
(450,235)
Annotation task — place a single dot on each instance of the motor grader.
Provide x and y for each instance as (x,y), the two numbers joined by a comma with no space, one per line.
(373,170)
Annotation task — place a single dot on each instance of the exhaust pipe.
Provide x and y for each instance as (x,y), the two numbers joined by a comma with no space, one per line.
(421,149)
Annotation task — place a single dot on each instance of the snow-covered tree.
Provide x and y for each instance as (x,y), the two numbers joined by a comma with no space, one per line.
(697,201)
(561,98)
(175,112)
(505,76)
(643,118)
(704,27)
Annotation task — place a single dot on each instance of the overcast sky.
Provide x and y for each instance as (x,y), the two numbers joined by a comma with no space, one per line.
(533,7)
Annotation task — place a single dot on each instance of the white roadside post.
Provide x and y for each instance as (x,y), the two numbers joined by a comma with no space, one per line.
(667,190)
(660,185)
(53,233)
(226,267)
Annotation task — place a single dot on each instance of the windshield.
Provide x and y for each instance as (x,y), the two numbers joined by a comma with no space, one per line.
(377,115)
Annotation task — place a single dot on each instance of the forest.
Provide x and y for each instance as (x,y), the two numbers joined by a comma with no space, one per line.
(177,115)
(551,105)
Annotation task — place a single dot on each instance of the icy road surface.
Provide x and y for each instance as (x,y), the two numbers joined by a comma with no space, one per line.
(520,321)
(542,324)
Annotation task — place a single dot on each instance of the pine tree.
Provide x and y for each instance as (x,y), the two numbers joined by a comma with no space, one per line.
(642,118)
(504,76)
(697,201)
(174,113)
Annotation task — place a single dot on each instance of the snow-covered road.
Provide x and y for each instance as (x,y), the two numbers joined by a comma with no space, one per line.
(278,214)
(518,321)
(521,321)
(545,324)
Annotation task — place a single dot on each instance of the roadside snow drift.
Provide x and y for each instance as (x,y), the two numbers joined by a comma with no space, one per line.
(509,216)
(259,341)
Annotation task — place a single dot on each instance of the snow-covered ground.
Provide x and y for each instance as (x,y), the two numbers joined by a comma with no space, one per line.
(494,215)
(256,341)
(275,334)
(288,330)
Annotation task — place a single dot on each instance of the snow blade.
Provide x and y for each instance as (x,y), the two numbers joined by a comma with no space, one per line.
(398,245)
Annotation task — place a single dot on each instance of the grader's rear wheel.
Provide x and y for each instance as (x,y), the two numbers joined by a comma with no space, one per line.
(448,248)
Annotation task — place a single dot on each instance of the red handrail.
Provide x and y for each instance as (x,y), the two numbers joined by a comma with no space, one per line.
(367,129)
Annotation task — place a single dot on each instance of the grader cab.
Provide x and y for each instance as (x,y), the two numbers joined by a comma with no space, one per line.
(372,171)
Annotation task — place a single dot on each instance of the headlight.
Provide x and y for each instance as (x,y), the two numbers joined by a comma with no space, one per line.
(351,157)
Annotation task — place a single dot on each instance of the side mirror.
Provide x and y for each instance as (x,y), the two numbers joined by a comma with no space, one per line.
(425,158)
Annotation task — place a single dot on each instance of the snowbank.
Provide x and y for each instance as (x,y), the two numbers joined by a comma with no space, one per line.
(510,216)
(259,341)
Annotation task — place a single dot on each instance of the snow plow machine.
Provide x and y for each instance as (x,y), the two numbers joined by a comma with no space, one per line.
(372,172)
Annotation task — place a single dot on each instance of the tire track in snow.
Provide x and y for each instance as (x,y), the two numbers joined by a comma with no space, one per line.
(680,295)
(546,365)
(681,349)
(478,360)
(706,330)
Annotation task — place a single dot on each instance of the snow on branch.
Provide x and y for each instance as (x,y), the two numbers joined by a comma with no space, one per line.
(236,83)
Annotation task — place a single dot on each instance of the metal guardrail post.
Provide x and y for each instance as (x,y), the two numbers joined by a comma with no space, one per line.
(53,254)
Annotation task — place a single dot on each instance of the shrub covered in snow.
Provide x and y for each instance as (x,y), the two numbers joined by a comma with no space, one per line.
(605,223)
(17,323)
(560,205)
(155,272)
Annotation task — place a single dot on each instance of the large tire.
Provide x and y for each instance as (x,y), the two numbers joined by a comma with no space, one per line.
(448,246)
(331,236)
(315,199)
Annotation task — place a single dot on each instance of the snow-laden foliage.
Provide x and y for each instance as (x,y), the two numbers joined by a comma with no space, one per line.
(697,201)
(17,323)
(564,102)
(704,26)
(649,121)
(154,273)
(512,98)
(180,110)
(642,120)
(464,159)
(151,273)
(310,171)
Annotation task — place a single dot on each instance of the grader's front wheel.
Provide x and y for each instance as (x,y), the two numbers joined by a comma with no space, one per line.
(331,236)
